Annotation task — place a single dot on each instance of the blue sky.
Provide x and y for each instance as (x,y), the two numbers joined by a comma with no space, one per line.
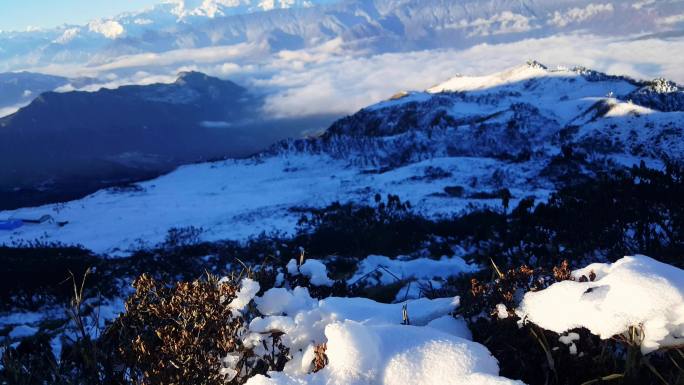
(17,15)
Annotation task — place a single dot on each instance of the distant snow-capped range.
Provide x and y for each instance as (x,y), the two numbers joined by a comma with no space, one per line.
(264,27)
(529,129)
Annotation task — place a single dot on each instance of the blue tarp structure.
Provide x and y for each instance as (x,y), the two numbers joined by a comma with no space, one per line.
(10,225)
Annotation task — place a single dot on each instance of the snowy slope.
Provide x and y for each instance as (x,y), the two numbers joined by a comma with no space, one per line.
(475,135)
(241,198)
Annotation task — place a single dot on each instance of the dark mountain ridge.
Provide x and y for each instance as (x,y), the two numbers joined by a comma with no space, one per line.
(63,140)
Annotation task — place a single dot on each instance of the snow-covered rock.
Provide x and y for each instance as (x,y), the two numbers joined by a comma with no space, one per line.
(635,291)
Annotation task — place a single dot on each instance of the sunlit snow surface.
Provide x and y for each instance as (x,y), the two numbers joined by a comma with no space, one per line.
(635,292)
(237,199)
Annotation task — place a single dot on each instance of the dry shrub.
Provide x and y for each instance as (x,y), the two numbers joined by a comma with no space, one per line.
(484,296)
(562,272)
(179,334)
(320,358)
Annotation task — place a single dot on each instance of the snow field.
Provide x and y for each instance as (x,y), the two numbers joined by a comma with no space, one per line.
(239,199)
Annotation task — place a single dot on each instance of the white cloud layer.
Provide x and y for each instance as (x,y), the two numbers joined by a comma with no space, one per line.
(143,21)
(671,20)
(642,3)
(344,84)
(331,80)
(5,111)
(110,29)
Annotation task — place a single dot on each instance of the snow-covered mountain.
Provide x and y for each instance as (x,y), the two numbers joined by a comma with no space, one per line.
(529,129)
(131,127)
(366,26)
(523,114)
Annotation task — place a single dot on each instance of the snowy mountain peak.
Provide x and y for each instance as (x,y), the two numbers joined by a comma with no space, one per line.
(529,109)
(520,73)
(193,77)
(216,8)
(659,94)
(536,64)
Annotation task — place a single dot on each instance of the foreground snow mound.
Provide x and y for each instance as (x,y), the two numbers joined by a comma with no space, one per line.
(367,343)
(396,355)
(634,291)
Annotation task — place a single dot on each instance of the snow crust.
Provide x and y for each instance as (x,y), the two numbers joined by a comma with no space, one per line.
(635,291)
(420,274)
(569,340)
(618,109)
(560,94)
(501,311)
(451,325)
(281,301)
